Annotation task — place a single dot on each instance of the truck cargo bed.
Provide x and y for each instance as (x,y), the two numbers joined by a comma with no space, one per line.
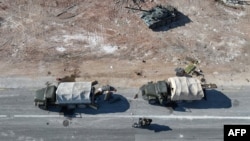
(73,93)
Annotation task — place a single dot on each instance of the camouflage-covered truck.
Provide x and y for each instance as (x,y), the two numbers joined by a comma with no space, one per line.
(69,94)
(174,89)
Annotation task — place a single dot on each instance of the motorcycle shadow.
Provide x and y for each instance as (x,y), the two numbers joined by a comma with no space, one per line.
(156,127)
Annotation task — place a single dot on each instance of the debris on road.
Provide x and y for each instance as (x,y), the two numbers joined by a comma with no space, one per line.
(190,70)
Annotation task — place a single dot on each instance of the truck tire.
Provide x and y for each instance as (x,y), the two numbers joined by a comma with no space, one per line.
(152,101)
(43,105)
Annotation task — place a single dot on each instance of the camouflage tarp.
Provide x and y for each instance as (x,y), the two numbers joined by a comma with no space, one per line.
(185,88)
(73,93)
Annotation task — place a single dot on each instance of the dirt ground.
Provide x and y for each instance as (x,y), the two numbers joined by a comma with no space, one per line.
(104,41)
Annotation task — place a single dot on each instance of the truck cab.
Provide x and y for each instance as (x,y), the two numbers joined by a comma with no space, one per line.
(45,95)
(155,92)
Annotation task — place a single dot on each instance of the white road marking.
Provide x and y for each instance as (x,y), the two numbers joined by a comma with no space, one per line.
(3,116)
(8,95)
(38,116)
(137,116)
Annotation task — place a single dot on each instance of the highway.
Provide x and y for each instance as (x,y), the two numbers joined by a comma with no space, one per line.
(198,121)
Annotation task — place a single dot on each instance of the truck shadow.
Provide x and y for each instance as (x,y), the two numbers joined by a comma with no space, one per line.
(182,20)
(117,103)
(214,99)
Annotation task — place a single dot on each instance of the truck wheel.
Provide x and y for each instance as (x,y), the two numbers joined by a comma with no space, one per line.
(41,105)
(152,101)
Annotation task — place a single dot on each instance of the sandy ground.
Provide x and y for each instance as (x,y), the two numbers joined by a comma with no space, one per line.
(104,41)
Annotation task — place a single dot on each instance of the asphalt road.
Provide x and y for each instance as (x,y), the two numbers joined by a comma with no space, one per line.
(200,120)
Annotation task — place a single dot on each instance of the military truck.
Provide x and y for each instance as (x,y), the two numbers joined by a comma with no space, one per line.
(174,89)
(66,94)
(158,16)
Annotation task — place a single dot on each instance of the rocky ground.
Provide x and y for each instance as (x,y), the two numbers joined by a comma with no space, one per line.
(104,41)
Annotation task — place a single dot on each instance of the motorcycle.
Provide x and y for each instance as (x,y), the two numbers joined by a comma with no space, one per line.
(142,123)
